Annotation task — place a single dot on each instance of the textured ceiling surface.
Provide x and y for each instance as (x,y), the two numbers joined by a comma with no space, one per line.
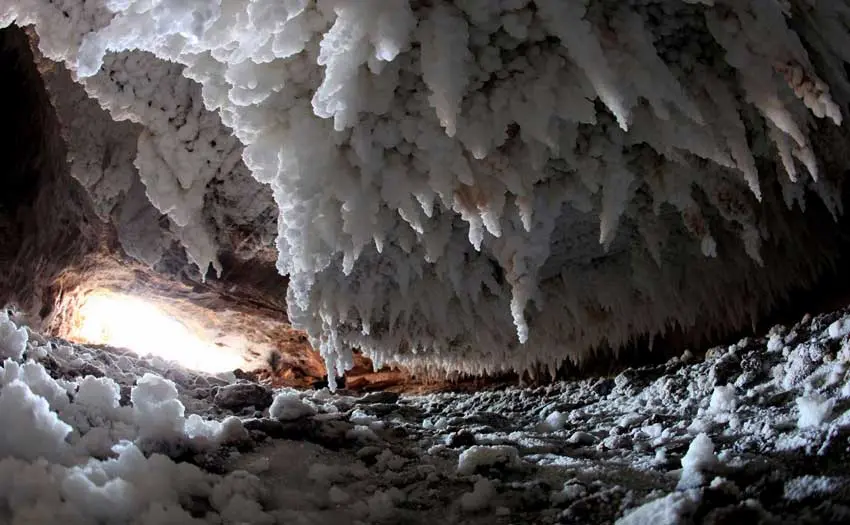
(468,185)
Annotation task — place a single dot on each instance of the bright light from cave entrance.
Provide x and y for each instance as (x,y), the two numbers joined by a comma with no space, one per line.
(129,322)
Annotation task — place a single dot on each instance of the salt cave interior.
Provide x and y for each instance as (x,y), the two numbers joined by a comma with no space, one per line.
(416,261)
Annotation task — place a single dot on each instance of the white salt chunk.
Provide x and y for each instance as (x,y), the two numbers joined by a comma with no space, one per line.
(723,399)
(669,510)
(814,410)
(13,340)
(288,406)
(699,457)
(839,328)
(479,456)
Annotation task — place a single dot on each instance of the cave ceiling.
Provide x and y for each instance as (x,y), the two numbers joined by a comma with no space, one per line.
(475,187)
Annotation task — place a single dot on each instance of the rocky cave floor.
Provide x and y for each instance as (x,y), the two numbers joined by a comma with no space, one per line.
(756,432)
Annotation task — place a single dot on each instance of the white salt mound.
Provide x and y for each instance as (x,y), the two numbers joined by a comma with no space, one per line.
(839,328)
(479,456)
(814,410)
(555,421)
(723,399)
(158,412)
(13,340)
(37,432)
(669,510)
(288,406)
(102,394)
(812,486)
(699,457)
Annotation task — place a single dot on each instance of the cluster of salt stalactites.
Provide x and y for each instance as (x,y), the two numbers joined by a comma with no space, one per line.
(438,165)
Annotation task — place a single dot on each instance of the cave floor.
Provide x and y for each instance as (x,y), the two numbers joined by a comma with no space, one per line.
(756,431)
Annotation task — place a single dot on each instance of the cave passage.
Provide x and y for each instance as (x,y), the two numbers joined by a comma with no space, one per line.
(576,239)
(120,320)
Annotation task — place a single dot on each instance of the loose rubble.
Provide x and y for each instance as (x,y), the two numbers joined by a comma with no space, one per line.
(758,432)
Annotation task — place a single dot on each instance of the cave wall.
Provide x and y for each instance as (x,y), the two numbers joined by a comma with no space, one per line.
(48,224)
(75,219)
(69,226)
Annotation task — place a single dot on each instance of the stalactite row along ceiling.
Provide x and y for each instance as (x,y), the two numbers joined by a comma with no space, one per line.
(479,185)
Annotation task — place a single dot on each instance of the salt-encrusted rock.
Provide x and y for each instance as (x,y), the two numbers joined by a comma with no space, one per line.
(242,395)
(481,458)
(288,406)
(582,438)
(329,434)
(462,439)
(13,340)
(379,398)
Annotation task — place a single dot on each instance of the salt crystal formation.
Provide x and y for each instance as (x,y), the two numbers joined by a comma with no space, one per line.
(148,442)
(484,184)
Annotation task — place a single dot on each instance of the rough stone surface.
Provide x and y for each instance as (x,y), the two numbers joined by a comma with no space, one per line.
(242,395)
(557,454)
(379,398)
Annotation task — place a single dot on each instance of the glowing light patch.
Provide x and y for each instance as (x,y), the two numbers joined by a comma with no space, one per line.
(129,322)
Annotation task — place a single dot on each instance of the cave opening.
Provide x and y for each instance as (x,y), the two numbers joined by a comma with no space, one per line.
(64,271)
(118,320)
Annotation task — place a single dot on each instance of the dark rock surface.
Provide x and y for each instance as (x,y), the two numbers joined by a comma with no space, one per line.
(241,395)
